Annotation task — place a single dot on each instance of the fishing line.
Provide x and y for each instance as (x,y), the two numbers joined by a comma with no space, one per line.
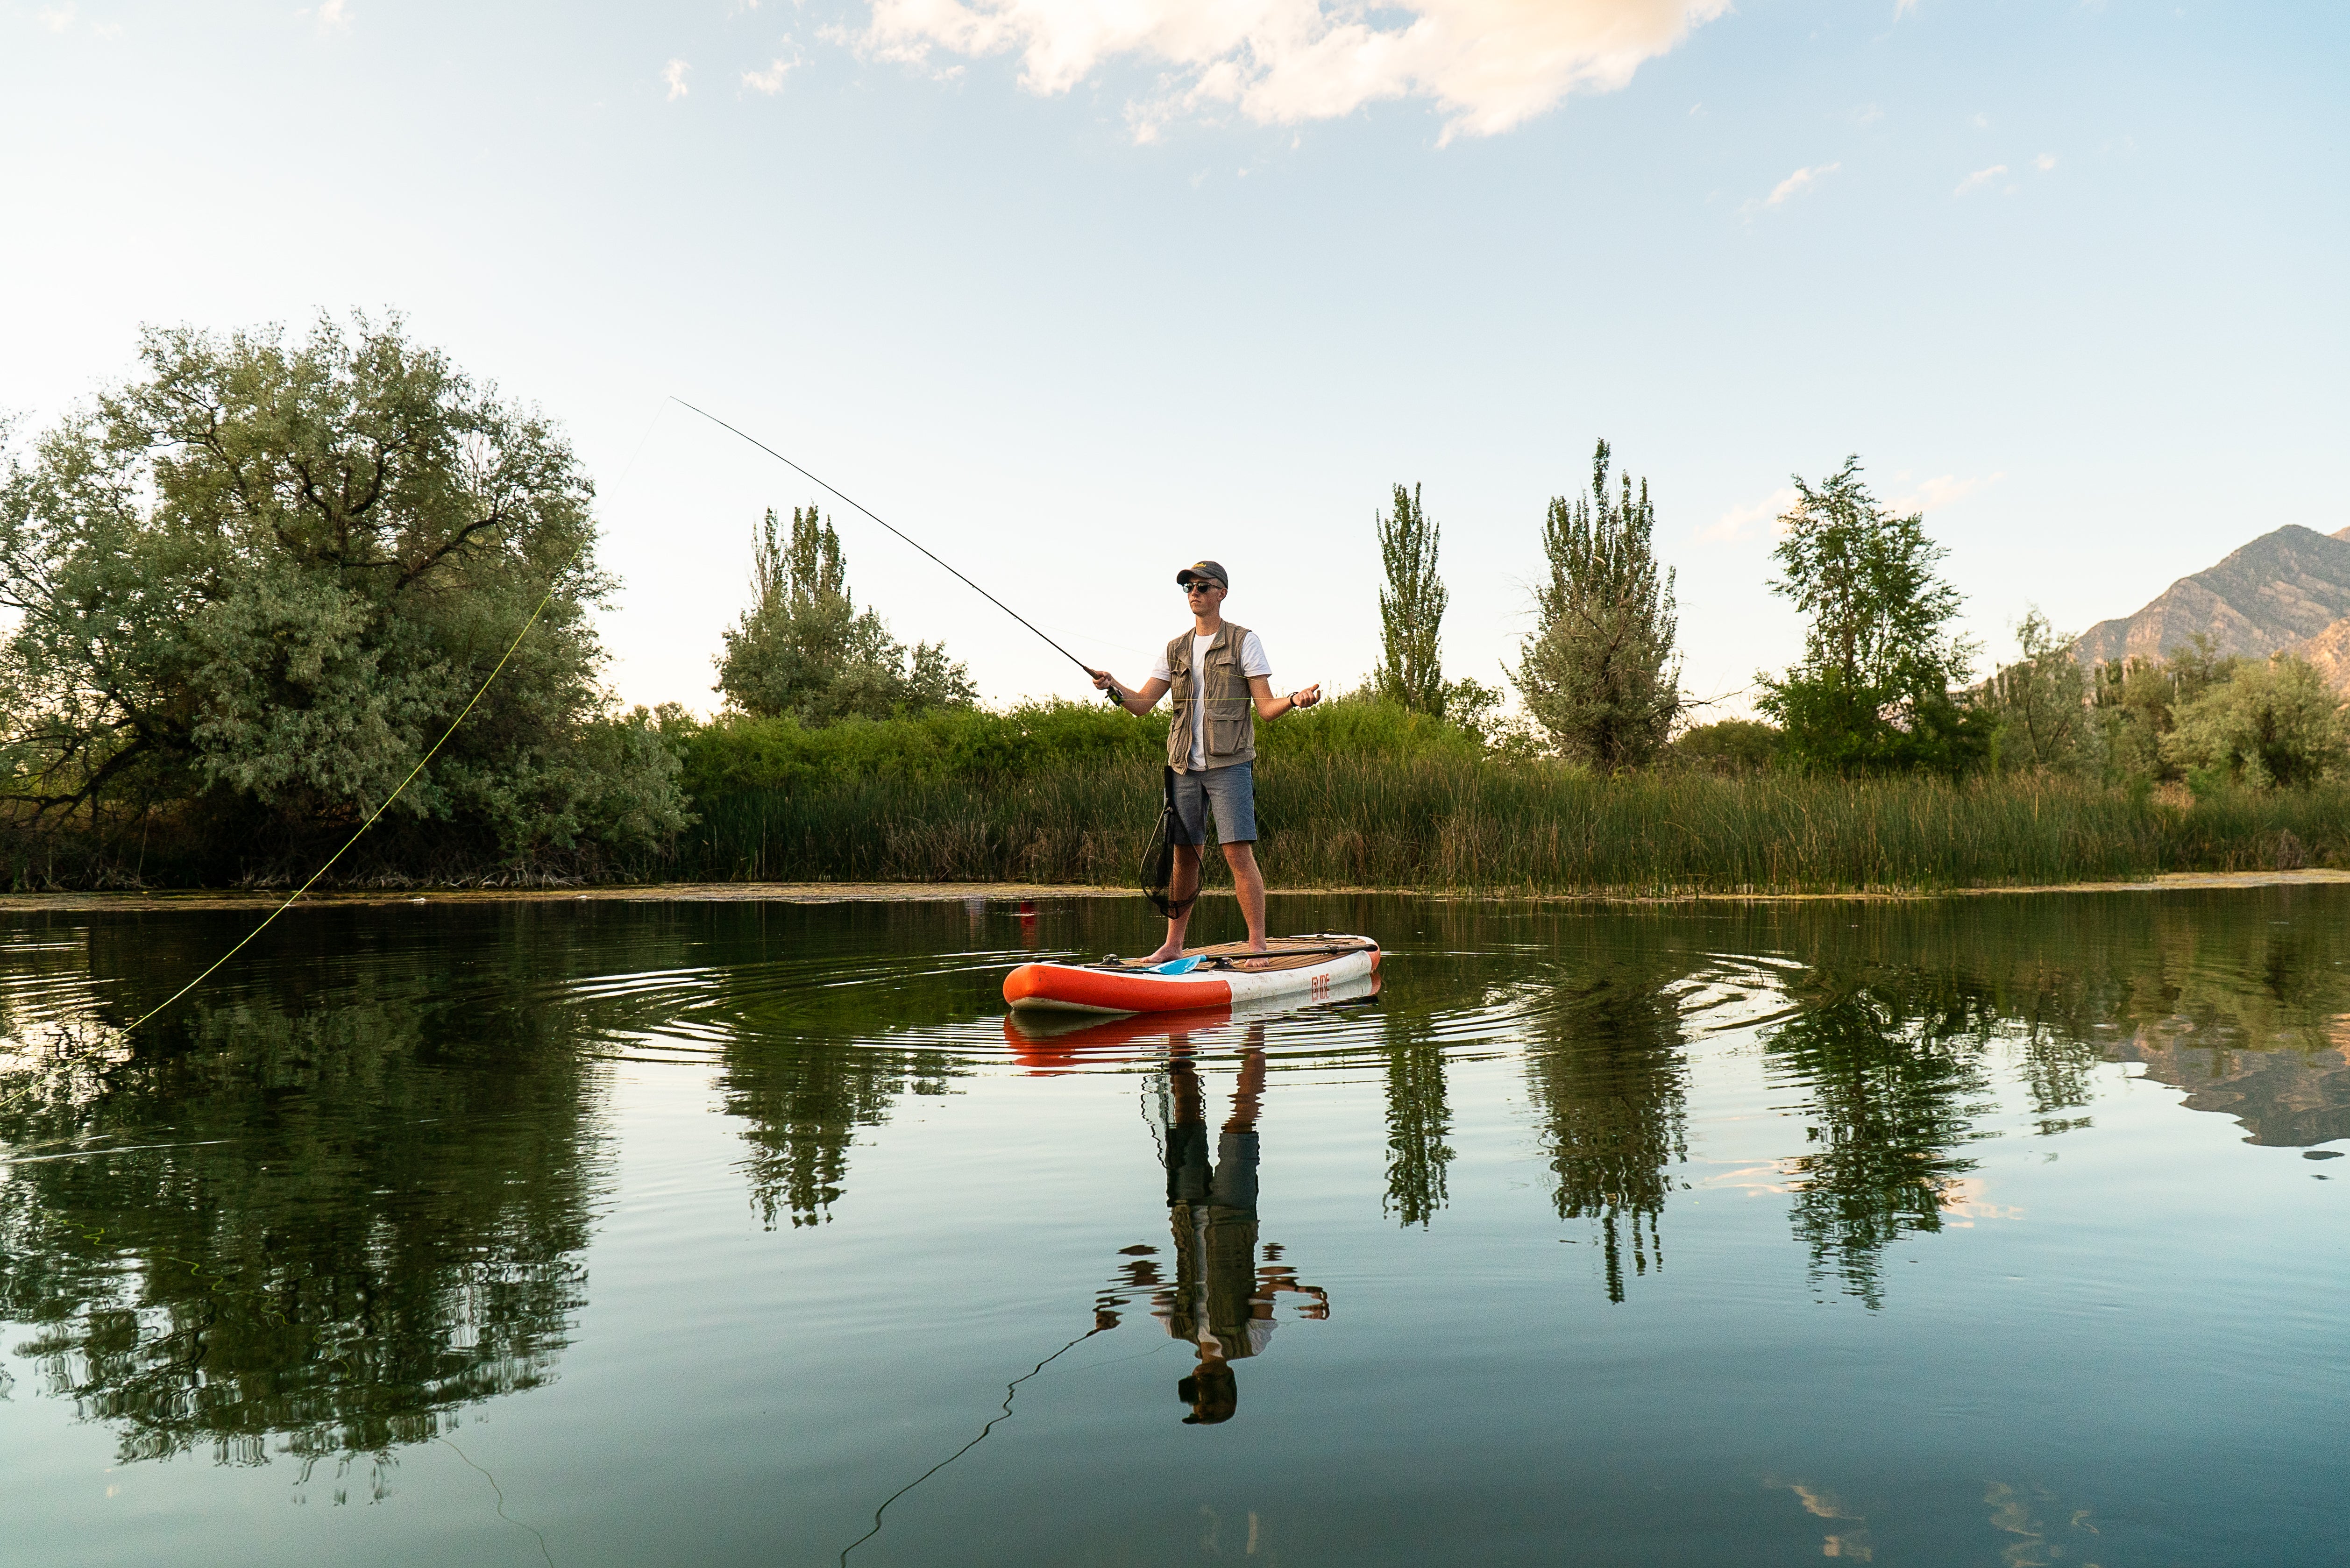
(1011,1389)
(902,534)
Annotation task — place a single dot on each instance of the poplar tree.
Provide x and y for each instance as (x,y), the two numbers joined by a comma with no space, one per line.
(1411,609)
(1599,673)
(804,649)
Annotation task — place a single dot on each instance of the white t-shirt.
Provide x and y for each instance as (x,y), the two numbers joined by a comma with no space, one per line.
(1253,663)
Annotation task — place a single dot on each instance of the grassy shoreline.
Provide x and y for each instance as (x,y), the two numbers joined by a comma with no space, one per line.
(258,901)
(1459,824)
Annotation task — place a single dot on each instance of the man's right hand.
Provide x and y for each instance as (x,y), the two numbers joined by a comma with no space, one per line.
(1106,683)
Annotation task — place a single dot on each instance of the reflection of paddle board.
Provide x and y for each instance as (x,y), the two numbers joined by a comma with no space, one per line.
(1299,969)
(1049,1042)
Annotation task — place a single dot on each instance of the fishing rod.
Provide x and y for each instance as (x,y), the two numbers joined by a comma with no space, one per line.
(900,533)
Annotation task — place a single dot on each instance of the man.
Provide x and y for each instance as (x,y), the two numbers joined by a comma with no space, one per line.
(1223,685)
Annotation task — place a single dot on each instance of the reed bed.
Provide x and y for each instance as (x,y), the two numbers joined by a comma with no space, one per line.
(1460,824)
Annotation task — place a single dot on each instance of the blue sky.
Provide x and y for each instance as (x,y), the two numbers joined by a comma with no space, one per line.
(1077,302)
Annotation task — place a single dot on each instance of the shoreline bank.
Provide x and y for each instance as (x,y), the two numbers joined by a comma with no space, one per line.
(1007,892)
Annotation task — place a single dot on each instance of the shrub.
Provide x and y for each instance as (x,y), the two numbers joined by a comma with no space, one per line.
(2269,724)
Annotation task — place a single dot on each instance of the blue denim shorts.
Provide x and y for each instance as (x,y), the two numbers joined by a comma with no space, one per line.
(1232,790)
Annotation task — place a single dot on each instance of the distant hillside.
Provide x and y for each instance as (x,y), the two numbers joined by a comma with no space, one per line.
(2284,588)
(2330,651)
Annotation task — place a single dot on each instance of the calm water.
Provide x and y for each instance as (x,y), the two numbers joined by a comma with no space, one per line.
(1994,1231)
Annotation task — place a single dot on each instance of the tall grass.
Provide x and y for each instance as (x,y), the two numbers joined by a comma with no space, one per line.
(1453,821)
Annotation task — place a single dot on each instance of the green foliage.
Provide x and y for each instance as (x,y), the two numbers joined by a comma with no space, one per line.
(2135,703)
(736,752)
(1872,694)
(2039,706)
(1599,674)
(2270,723)
(262,578)
(1411,609)
(803,650)
(1730,746)
(1472,706)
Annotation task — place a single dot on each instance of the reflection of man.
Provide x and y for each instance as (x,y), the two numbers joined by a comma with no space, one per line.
(1221,1300)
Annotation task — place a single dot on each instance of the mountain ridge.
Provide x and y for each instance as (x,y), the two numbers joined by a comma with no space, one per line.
(2286,591)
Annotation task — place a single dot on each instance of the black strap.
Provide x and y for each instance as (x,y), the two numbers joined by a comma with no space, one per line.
(1159,857)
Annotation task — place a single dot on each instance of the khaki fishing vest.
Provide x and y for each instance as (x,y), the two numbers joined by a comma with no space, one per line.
(1231,711)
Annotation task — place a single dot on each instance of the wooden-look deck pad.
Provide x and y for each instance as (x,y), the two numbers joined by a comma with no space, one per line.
(1281,953)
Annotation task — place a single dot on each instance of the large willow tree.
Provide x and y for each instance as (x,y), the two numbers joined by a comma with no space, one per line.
(263,576)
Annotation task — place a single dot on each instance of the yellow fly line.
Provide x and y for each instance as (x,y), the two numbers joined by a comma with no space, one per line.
(544,601)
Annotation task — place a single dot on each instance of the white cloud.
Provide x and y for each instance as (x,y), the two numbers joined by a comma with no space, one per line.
(673,74)
(1796,184)
(1927,495)
(771,80)
(2044,162)
(55,18)
(1736,523)
(1949,490)
(1979,179)
(1488,65)
(334,17)
(1980,122)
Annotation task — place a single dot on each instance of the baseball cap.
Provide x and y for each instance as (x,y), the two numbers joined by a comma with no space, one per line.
(1204,569)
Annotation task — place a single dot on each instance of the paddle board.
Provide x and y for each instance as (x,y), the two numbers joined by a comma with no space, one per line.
(1301,968)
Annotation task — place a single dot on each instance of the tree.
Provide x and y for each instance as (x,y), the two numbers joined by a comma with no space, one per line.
(2039,706)
(1598,673)
(1411,609)
(802,648)
(267,576)
(1873,690)
(1730,746)
(2135,702)
(2273,722)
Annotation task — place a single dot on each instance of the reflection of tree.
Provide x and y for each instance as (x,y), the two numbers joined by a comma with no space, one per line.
(1418,1119)
(1606,1075)
(801,1103)
(1891,1087)
(327,1224)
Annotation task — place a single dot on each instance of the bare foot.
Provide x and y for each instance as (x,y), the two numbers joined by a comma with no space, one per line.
(1165,952)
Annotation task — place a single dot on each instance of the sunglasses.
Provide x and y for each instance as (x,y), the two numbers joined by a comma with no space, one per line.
(1200,587)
